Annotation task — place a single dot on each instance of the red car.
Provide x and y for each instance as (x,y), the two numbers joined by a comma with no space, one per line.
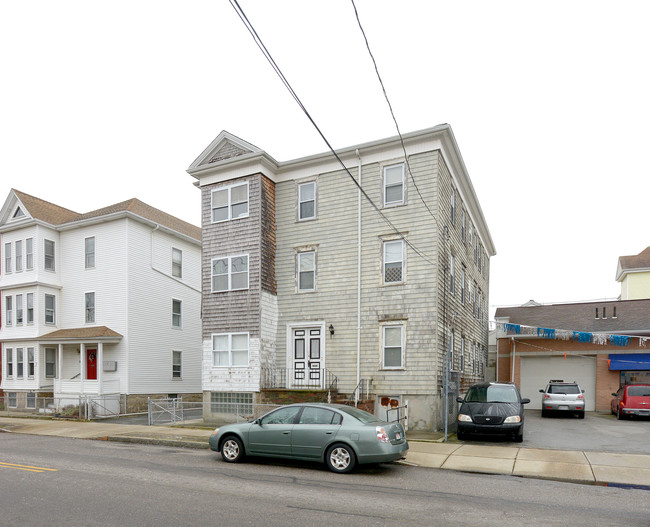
(633,399)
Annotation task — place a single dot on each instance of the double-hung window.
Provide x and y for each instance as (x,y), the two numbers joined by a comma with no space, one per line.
(48,252)
(393,347)
(177,364)
(19,255)
(394,185)
(230,349)
(394,261)
(177,263)
(452,281)
(30,308)
(462,353)
(230,203)
(8,266)
(50,363)
(176,314)
(19,309)
(29,254)
(90,308)
(19,363)
(89,248)
(50,309)
(30,362)
(230,273)
(307,271)
(9,310)
(9,352)
(453,206)
(462,285)
(307,201)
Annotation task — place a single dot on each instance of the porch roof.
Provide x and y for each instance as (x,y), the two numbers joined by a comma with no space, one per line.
(95,333)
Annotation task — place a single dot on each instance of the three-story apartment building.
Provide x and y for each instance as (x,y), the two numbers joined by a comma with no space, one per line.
(367,276)
(97,304)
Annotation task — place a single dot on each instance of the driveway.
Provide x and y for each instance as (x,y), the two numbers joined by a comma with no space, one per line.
(599,432)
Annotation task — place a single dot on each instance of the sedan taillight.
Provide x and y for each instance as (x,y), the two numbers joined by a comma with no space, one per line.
(581,396)
(382,436)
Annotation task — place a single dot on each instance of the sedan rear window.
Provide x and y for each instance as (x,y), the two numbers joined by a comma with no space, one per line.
(639,391)
(362,416)
(566,389)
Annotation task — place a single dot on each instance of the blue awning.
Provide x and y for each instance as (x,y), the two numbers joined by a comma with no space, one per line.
(629,361)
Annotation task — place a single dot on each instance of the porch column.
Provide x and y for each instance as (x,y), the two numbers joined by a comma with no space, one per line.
(59,367)
(100,358)
(82,366)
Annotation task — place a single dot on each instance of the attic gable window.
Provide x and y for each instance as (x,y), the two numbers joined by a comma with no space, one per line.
(18,214)
(230,203)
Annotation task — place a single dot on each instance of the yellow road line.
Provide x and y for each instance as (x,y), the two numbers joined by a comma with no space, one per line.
(28,468)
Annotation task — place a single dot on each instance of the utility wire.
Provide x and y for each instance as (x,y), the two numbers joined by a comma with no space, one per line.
(390,107)
(235,5)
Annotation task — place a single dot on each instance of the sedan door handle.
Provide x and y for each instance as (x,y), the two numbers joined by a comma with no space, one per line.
(286,433)
(329,433)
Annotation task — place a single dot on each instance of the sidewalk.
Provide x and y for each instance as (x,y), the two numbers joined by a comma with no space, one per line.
(426,450)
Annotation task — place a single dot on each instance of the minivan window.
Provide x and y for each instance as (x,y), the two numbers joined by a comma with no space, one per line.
(639,391)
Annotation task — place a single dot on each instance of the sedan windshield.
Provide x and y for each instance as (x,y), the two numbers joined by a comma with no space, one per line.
(491,394)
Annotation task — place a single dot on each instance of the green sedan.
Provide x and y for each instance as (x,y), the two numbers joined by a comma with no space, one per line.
(338,435)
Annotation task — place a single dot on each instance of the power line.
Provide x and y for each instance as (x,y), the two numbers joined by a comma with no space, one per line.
(390,107)
(235,5)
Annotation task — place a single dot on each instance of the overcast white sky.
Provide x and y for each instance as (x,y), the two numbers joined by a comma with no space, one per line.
(549,101)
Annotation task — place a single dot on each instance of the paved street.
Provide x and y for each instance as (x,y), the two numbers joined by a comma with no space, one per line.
(80,482)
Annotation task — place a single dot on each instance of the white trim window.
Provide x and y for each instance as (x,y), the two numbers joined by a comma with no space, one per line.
(177,364)
(177,313)
(394,185)
(230,273)
(307,201)
(453,206)
(8,264)
(30,362)
(90,307)
(463,229)
(50,309)
(451,350)
(29,308)
(230,203)
(230,349)
(452,281)
(89,252)
(19,255)
(306,264)
(29,254)
(462,353)
(30,401)
(177,263)
(392,347)
(393,262)
(9,373)
(50,363)
(48,255)
(19,310)
(462,284)
(19,363)
(9,310)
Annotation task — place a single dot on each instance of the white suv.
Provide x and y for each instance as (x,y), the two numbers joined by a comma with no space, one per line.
(560,396)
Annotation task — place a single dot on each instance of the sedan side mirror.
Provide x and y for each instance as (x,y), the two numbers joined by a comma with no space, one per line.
(583,391)
(615,394)
(525,401)
(541,391)
(459,399)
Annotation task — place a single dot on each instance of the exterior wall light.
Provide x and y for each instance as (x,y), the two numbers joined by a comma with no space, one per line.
(331,328)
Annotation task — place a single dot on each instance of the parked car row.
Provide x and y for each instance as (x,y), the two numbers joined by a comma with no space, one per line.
(498,408)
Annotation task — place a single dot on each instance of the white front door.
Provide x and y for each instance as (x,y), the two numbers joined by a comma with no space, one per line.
(307,357)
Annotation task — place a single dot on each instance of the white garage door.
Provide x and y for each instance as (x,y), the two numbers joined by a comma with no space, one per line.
(537,371)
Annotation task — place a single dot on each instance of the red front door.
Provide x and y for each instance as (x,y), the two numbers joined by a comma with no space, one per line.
(91,365)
